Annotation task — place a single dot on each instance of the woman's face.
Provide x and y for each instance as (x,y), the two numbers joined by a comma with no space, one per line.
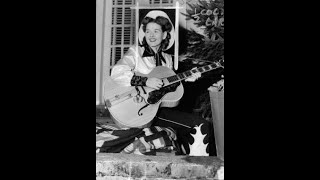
(154,35)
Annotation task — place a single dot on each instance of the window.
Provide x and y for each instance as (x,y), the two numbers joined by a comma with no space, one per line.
(122,34)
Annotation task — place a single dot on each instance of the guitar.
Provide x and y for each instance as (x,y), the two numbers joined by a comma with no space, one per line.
(135,107)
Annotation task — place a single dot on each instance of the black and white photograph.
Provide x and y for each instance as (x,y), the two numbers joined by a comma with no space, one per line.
(159,89)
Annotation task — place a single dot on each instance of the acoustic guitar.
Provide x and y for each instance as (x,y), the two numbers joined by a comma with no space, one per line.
(135,107)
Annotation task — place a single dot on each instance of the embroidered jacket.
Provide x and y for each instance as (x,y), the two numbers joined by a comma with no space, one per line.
(134,60)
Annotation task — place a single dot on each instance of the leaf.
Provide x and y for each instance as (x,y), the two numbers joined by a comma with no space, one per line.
(198,148)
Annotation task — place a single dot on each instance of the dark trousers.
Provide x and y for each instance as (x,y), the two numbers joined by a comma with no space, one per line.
(183,123)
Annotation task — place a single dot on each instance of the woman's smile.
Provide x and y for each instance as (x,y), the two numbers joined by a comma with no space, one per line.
(154,35)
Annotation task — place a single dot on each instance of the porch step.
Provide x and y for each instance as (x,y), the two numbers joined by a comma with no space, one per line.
(111,166)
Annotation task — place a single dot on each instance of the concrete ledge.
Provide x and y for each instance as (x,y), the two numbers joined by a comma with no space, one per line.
(111,166)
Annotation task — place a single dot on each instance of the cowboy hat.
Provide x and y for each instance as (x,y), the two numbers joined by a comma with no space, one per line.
(154,14)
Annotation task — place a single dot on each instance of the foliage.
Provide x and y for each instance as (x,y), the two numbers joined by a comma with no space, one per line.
(207,47)
(210,15)
(199,47)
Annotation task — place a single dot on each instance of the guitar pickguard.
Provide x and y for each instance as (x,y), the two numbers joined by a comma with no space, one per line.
(156,95)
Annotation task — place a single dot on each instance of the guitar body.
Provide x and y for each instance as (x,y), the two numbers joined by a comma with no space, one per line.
(128,110)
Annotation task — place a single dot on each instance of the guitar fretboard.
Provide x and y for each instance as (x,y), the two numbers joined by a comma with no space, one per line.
(186,74)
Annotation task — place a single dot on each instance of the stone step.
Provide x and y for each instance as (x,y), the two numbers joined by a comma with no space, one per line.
(118,166)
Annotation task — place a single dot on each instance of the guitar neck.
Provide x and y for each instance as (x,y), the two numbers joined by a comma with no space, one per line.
(187,74)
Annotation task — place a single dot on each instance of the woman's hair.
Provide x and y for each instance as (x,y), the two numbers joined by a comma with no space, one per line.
(165,26)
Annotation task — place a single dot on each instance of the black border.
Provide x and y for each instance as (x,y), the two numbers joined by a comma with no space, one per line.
(49,90)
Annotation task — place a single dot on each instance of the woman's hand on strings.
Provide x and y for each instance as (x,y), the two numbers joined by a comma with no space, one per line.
(154,83)
(194,76)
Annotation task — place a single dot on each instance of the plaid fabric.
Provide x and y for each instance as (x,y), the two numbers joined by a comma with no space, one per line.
(146,141)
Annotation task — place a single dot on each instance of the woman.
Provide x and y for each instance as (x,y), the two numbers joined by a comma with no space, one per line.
(155,36)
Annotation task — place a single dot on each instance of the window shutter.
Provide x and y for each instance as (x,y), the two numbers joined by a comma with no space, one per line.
(122,29)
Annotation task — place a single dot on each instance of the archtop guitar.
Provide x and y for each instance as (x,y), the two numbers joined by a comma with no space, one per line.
(135,107)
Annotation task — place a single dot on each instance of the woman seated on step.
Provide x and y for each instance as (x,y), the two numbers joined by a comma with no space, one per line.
(157,35)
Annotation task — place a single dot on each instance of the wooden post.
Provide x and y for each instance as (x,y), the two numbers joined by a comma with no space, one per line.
(217,107)
(99,47)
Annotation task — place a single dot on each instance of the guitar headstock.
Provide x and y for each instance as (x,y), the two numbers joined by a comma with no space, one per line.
(220,63)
